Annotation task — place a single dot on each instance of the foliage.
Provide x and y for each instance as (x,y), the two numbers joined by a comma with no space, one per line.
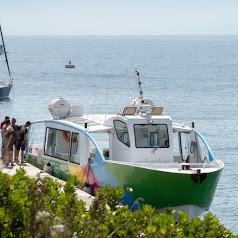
(46,208)
(112,195)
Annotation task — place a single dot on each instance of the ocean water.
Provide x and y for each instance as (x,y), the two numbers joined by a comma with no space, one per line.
(193,77)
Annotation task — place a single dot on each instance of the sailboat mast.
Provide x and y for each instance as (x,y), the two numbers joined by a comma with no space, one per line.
(4,49)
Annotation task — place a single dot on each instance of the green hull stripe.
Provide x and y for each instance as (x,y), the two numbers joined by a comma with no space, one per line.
(163,189)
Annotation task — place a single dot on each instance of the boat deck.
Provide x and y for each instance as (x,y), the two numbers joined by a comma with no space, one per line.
(187,168)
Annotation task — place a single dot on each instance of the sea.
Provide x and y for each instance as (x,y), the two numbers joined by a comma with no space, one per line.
(194,77)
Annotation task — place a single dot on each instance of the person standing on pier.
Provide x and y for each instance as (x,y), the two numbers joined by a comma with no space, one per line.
(15,135)
(3,134)
(9,145)
(22,142)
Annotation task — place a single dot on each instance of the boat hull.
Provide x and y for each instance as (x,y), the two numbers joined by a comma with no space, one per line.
(70,66)
(5,91)
(163,189)
(180,190)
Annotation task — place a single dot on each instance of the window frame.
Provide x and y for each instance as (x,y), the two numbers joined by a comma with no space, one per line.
(149,132)
(68,156)
(128,144)
(71,144)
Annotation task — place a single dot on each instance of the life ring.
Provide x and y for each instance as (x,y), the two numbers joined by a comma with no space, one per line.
(66,135)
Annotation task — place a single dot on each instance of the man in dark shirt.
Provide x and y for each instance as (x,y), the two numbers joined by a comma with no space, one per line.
(15,135)
(22,142)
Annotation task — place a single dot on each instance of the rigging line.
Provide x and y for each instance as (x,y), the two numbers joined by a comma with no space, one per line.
(81,181)
(89,167)
(13,92)
(165,88)
(86,173)
(5,54)
(106,98)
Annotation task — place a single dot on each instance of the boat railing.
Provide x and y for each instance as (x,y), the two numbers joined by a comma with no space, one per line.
(2,83)
(179,166)
(209,151)
(182,166)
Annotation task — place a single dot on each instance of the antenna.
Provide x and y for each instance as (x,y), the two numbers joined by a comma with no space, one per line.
(165,87)
(106,98)
(139,85)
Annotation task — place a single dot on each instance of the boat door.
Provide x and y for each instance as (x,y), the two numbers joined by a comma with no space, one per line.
(120,142)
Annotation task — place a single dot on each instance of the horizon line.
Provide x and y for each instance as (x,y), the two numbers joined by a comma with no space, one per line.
(123,35)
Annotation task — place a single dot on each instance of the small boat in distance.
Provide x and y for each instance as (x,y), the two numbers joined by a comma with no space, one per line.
(156,161)
(5,87)
(70,66)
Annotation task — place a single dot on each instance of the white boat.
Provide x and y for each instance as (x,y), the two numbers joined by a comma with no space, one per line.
(5,85)
(70,66)
(156,161)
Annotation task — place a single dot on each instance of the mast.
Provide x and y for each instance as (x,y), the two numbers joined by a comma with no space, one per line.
(139,85)
(4,49)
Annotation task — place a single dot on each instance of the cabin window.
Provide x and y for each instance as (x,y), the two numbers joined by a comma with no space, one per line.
(122,132)
(57,143)
(50,142)
(151,136)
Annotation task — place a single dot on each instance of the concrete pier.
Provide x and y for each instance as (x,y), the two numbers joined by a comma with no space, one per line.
(34,172)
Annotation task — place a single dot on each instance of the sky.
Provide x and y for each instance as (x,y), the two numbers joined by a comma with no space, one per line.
(119,17)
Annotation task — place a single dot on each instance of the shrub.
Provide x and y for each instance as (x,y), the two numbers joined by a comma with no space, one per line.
(46,208)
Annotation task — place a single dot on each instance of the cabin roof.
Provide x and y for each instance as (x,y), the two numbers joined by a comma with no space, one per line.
(82,121)
(99,128)
(181,128)
(97,122)
(93,123)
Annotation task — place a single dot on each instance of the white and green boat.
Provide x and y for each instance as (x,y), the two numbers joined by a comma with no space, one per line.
(156,161)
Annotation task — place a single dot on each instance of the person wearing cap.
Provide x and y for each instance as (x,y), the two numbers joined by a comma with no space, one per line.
(3,122)
(22,142)
(9,145)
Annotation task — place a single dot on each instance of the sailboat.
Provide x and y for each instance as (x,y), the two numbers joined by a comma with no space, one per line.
(5,87)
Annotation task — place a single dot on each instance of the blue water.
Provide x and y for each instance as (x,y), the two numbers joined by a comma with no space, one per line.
(194,78)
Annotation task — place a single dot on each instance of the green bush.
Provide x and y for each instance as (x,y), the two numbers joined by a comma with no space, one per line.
(45,208)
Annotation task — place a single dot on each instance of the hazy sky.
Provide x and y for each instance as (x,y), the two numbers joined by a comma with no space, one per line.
(119,17)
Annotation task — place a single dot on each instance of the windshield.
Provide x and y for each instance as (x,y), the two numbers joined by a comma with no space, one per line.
(151,136)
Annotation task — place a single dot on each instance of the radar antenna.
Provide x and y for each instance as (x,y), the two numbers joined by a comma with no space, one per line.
(139,85)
